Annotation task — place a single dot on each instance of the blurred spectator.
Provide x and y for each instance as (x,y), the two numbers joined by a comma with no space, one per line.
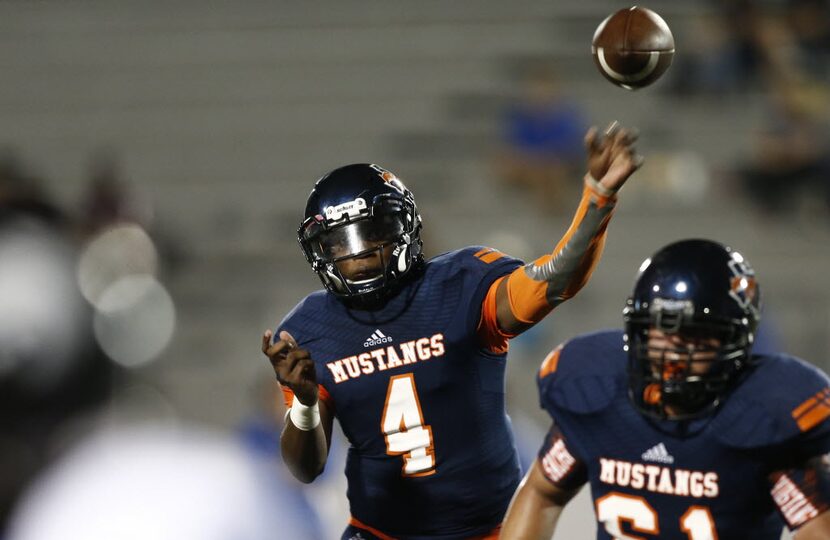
(723,51)
(541,140)
(108,199)
(809,21)
(260,434)
(159,483)
(21,192)
(66,474)
(748,45)
(50,370)
(792,152)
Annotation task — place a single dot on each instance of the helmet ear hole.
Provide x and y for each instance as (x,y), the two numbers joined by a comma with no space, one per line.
(402,259)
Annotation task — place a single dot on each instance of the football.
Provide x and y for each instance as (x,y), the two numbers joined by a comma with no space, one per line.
(633,47)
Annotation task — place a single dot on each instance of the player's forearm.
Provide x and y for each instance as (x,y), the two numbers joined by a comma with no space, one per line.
(540,286)
(531,516)
(816,529)
(304,452)
(535,507)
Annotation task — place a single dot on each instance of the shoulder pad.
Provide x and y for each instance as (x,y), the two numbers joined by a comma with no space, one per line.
(583,375)
(480,258)
(469,272)
(780,399)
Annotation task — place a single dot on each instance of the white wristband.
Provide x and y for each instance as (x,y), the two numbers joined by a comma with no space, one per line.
(594,184)
(303,417)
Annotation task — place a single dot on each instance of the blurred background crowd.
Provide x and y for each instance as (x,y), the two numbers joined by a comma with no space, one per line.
(154,164)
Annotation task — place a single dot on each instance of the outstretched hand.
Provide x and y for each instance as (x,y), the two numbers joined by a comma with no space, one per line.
(293,366)
(612,157)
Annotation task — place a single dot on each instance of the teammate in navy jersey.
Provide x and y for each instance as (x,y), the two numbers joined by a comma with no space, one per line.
(410,355)
(681,432)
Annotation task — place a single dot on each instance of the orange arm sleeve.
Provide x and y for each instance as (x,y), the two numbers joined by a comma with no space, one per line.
(536,288)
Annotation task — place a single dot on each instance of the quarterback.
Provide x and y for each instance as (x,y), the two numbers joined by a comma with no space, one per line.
(409,355)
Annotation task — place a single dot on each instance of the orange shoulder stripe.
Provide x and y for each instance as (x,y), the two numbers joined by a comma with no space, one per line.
(550,363)
(813,411)
(488,255)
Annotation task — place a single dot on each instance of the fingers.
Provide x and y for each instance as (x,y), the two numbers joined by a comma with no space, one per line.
(266,340)
(283,345)
(285,336)
(612,156)
(622,141)
(296,369)
(617,136)
(284,353)
(614,134)
(592,140)
(292,365)
(302,369)
(292,362)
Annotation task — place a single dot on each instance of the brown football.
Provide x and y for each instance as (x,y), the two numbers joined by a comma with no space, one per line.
(633,47)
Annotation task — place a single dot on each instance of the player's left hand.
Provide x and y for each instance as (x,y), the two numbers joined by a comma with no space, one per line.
(293,366)
(612,157)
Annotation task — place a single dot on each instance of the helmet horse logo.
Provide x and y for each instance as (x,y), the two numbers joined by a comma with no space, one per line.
(743,287)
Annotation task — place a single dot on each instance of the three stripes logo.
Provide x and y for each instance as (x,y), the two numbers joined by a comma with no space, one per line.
(488,255)
(377,338)
(659,454)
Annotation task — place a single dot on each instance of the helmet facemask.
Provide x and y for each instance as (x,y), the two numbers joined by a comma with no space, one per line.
(683,364)
(689,326)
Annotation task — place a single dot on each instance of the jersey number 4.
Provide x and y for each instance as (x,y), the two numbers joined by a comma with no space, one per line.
(403,427)
(614,508)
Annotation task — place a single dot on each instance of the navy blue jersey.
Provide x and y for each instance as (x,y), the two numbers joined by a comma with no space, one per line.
(735,474)
(419,399)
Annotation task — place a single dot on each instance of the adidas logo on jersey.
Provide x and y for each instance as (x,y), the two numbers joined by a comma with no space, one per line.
(658,453)
(377,338)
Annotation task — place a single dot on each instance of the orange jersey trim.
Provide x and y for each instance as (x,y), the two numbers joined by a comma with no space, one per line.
(489,333)
(489,255)
(492,535)
(813,411)
(528,297)
(323,395)
(354,522)
(550,363)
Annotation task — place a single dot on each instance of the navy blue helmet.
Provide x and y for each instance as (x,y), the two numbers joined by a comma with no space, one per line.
(706,294)
(356,210)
